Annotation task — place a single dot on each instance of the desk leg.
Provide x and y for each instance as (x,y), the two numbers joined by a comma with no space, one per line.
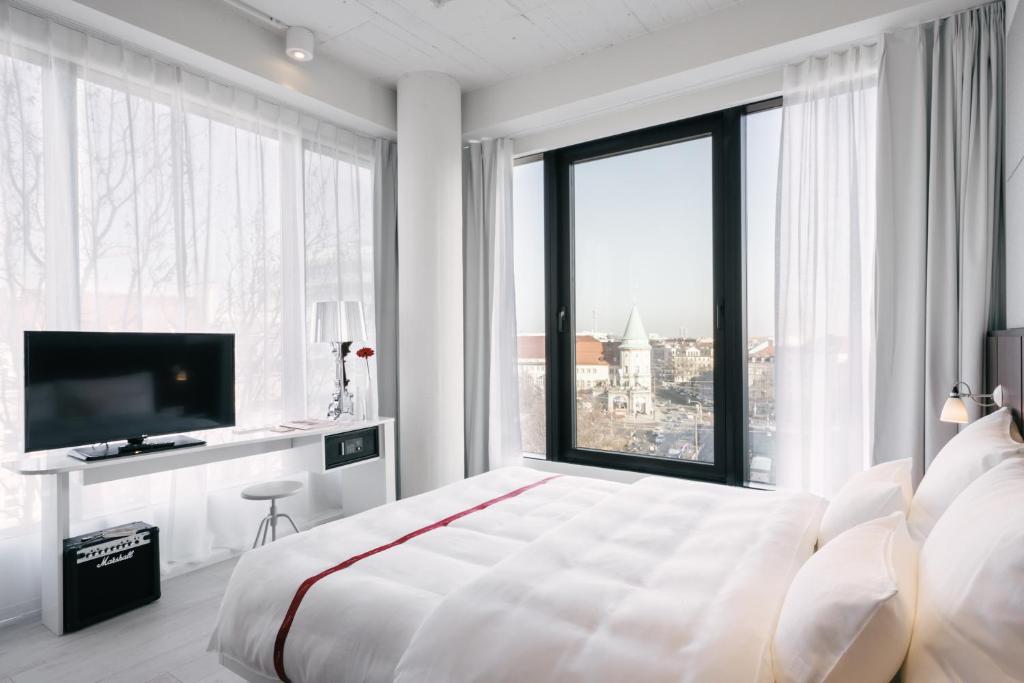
(390,480)
(56,526)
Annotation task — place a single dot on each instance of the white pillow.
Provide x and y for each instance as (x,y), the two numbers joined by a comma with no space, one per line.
(968,455)
(849,612)
(873,493)
(970,608)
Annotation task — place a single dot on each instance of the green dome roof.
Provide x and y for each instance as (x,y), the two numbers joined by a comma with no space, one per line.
(635,336)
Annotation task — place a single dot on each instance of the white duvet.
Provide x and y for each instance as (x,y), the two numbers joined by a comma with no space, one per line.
(576,579)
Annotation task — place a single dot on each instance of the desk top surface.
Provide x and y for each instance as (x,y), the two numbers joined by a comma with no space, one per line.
(58,461)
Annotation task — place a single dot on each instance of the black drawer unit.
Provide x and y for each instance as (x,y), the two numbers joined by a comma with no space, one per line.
(344,449)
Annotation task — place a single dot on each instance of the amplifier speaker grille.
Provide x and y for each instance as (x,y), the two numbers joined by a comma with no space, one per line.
(104,577)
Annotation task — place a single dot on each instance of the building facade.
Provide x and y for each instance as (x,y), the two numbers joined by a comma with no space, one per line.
(631,390)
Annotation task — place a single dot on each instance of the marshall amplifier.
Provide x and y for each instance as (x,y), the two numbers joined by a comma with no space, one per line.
(110,572)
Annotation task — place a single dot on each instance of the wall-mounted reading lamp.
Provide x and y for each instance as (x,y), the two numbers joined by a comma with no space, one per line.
(955,410)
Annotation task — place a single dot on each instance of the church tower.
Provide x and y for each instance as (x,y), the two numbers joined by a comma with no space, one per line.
(632,396)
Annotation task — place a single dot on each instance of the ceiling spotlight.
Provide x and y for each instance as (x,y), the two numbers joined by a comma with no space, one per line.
(300,44)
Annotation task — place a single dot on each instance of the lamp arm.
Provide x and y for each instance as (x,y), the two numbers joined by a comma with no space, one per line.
(996,395)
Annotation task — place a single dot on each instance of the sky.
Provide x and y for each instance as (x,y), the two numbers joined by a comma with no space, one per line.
(643,223)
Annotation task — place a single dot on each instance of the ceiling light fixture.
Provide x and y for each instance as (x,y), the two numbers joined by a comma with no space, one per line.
(300,44)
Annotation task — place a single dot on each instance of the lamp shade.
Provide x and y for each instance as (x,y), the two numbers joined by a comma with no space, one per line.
(954,410)
(339,321)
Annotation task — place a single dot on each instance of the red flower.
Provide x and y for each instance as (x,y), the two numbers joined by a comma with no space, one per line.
(365,352)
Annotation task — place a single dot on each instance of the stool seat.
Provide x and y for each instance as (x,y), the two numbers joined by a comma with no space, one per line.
(270,490)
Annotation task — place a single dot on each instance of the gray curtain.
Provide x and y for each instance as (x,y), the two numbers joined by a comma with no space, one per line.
(491,378)
(940,223)
(385,273)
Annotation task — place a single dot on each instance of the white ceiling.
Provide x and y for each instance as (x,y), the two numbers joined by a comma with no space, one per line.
(479,42)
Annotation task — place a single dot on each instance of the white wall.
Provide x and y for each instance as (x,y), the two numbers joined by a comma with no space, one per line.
(430,321)
(682,70)
(211,37)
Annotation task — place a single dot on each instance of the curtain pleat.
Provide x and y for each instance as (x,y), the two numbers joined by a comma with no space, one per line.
(940,223)
(385,273)
(491,367)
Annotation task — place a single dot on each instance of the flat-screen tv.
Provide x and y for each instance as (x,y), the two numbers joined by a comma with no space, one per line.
(103,387)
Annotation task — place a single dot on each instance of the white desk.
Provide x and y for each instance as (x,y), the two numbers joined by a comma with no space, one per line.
(221,444)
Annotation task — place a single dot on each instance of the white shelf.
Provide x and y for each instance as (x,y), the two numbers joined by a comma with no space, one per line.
(221,444)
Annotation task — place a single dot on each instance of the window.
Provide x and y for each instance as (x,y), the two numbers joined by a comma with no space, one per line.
(642,251)
(657,337)
(528,230)
(338,213)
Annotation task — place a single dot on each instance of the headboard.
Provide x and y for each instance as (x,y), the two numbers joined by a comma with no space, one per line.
(1004,365)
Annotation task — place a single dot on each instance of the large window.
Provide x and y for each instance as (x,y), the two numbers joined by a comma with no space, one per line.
(643,354)
(654,336)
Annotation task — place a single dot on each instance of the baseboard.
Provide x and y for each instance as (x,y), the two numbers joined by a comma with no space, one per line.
(31,616)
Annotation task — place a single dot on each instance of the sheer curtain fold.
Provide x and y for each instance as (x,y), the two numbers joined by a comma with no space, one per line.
(338,169)
(940,223)
(385,272)
(138,196)
(492,381)
(824,277)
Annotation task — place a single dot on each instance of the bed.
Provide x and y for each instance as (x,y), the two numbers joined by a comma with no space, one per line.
(521,575)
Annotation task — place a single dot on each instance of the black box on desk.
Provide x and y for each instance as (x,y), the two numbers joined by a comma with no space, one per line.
(110,572)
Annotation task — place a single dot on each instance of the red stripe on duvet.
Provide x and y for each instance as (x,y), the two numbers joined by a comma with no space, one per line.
(289,617)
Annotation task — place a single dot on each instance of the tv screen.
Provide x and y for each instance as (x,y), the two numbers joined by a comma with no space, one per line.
(95,387)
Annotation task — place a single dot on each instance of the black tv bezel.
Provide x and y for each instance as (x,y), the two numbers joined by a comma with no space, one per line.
(227,337)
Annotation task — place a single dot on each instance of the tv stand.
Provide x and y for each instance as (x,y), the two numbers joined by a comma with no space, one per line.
(133,446)
(364,484)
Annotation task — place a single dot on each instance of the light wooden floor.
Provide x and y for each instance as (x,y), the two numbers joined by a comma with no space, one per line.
(164,642)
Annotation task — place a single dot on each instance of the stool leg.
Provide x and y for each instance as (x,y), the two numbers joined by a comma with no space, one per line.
(290,521)
(266,528)
(258,530)
(273,519)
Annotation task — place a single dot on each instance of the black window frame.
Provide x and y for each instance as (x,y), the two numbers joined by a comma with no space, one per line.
(729,294)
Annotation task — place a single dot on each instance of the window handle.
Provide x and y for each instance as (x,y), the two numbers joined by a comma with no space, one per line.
(561,319)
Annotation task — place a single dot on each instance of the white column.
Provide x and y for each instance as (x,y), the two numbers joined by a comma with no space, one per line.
(430,347)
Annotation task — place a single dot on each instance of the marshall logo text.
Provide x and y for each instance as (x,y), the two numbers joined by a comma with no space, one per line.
(113,559)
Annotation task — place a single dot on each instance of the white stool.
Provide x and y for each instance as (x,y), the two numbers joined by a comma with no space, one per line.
(271,490)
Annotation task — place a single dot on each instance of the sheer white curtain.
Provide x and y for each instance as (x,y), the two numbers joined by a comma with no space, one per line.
(339,261)
(825,243)
(493,438)
(135,195)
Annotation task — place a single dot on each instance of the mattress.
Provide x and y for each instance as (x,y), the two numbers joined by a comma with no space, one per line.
(665,580)
(515,576)
(356,624)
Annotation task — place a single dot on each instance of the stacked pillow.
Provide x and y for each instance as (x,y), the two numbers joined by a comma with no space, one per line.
(970,603)
(849,613)
(977,449)
(851,609)
(877,492)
